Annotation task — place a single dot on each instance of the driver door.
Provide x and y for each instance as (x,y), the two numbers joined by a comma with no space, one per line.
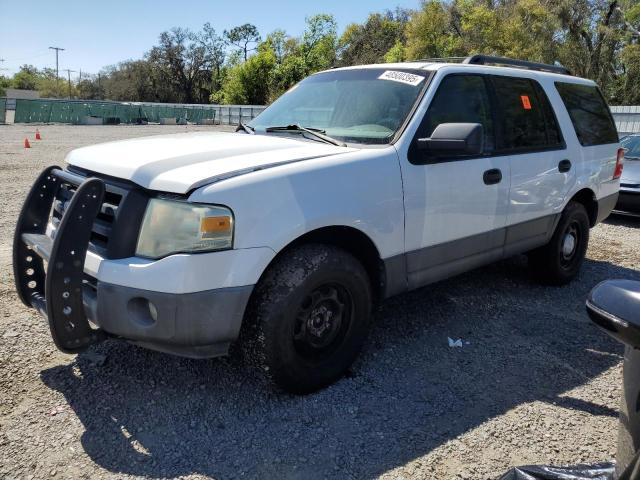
(456,208)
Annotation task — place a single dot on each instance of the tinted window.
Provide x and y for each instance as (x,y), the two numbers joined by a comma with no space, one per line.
(589,114)
(554,135)
(525,118)
(460,99)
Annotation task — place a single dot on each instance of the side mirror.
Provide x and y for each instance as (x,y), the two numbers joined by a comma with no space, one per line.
(453,139)
(614,305)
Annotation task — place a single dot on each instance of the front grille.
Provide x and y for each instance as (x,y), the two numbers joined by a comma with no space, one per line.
(102,225)
(630,185)
(114,231)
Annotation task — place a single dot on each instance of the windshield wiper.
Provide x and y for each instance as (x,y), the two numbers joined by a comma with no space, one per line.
(247,128)
(316,132)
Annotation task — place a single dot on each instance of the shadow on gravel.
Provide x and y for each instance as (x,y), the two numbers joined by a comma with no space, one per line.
(150,414)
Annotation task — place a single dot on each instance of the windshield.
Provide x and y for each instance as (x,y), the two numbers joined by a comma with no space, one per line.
(358,106)
(631,145)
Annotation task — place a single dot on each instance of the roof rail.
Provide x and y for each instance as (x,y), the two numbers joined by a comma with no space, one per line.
(488,59)
(442,60)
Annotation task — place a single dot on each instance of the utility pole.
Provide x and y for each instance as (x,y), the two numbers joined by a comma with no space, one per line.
(69,72)
(80,76)
(57,49)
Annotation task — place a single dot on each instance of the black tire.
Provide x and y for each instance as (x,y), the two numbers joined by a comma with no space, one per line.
(308,318)
(559,261)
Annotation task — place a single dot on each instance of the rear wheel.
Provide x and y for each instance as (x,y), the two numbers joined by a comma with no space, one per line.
(558,262)
(308,317)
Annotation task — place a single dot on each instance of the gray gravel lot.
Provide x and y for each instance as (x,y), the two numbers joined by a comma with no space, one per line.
(535,382)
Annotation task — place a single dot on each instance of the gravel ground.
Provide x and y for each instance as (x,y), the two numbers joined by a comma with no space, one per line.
(535,382)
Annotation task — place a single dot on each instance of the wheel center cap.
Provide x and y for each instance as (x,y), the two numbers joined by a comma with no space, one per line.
(320,321)
(568,245)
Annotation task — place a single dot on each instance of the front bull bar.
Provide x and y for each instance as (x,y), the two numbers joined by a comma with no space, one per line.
(48,272)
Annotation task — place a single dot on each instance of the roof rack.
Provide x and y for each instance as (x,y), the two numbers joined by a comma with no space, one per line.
(491,60)
(488,59)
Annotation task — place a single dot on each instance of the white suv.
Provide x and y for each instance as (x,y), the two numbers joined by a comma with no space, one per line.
(358,184)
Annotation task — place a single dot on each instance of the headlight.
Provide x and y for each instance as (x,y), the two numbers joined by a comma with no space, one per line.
(171,226)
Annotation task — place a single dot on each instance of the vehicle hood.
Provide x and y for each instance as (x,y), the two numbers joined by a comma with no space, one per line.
(631,172)
(178,163)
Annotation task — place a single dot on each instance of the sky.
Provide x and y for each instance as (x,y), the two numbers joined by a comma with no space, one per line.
(95,34)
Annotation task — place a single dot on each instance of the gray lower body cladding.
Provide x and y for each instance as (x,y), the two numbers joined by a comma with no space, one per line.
(431,264)
(196,325)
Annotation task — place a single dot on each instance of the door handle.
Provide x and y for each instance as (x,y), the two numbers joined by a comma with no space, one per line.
(493,176)
(564,166)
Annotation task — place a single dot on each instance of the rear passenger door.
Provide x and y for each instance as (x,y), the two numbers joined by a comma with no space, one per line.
(543,170)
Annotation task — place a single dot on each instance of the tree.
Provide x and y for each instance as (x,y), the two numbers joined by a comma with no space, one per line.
(319,42)
(430,33)
(214,47)
(593,35)
(369,42)
(26,78)
(242,37)
(4,84)
(246,83)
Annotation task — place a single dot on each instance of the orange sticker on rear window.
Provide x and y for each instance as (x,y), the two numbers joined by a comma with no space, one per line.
(526,104)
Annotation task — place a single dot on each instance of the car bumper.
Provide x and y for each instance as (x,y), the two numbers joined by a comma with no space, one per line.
(629,200)
(197,325)
(606,206)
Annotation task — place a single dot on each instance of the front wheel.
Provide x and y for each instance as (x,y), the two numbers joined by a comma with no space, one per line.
(559,261)
(308,317)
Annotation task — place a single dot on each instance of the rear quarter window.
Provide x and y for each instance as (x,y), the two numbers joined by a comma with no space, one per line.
(589,114)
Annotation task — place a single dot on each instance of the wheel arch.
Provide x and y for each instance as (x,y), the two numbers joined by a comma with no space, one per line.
(587,198)
(350,239)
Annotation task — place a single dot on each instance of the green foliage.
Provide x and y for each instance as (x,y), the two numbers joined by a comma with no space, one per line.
(242,37)
(371,41)
(27,78)
(245,82)
(4,84)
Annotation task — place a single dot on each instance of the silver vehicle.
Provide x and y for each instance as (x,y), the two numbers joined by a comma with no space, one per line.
(629,199)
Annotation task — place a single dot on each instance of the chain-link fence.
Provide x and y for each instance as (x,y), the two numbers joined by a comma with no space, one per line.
(83,112)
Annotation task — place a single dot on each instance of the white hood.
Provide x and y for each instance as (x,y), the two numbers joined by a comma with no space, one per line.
(181,162)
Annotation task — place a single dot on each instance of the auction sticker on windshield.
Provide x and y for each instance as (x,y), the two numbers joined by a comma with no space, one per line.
(402,77)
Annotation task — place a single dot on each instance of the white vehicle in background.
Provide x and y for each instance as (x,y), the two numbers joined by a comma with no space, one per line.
(358,184)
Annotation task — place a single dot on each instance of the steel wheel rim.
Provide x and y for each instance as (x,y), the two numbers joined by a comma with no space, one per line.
(570,244)
(322,321)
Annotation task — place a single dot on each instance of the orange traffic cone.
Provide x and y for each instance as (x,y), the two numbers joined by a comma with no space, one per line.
(38,137)
(26,143)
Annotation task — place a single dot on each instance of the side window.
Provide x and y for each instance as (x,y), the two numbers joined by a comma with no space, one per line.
(460,99)
(589,113)
(525,118)
(554,134)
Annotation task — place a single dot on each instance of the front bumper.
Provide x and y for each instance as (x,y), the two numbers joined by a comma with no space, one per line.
(189,305)
(197,325)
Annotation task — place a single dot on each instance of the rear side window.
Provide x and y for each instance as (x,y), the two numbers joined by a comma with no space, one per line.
(589,114)
(525,117)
